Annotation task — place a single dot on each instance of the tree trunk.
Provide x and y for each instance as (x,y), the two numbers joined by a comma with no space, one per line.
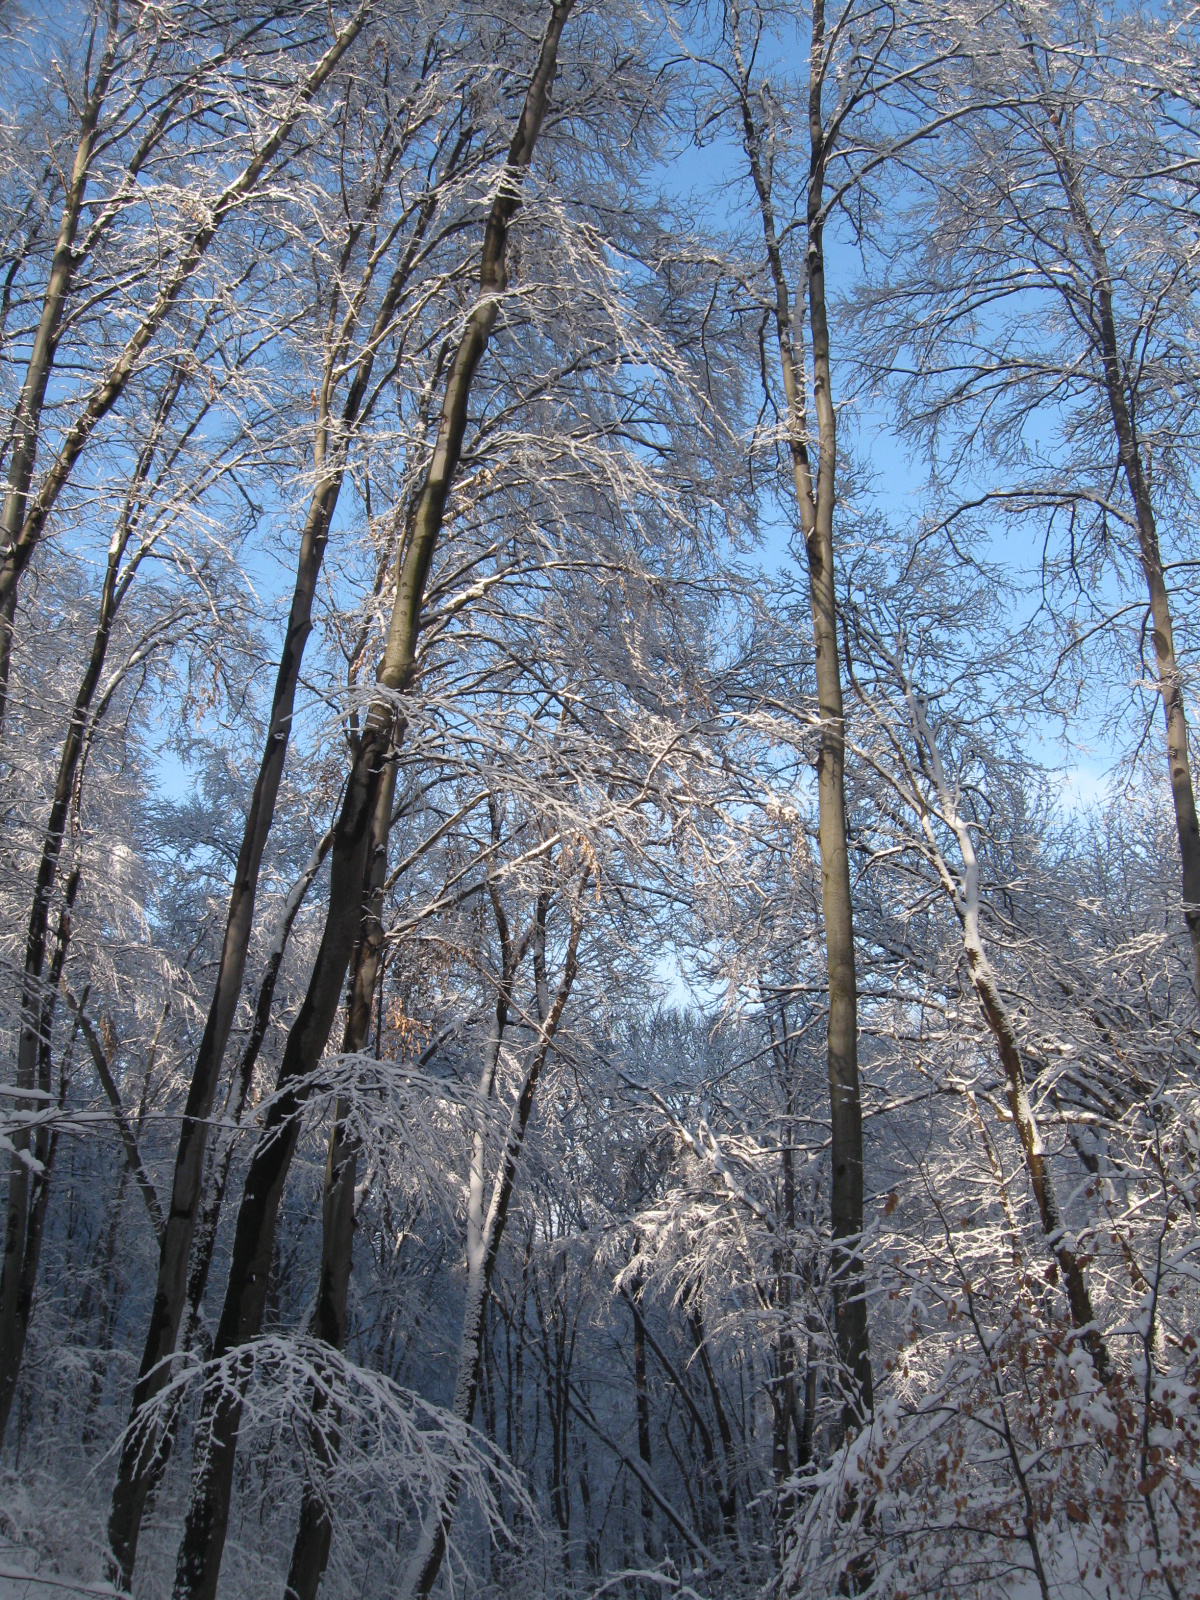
(965,899)
(15,1328)
(729,1497)
(650,1544)
(26,424)
(310,1552)
(726,1491)
(1170,682)
(203,1540)
(22,525)
(141,1458)
(239,1088)
(33,989)
(1053,1224)
(816,500)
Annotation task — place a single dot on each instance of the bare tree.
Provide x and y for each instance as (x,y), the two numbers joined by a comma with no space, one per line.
(204,1535)
(1038,288)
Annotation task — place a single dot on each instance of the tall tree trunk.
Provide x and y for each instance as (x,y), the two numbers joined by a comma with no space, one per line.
(141,1456)
(203,1540)
(15,1327)
(815,498)
(310,1552)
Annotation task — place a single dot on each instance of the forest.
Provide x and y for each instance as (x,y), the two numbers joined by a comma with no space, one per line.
(600,974)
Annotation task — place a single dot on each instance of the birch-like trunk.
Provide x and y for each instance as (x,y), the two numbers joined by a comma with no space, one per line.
(965,898)
(203,1540)
(815,498)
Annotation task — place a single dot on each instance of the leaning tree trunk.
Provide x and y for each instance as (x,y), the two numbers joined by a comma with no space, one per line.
(815,498)
(141,1456)
(158,1446)
(24,521)
(310,1553)
(25,431)
(34,991)
(203,1540)
(965,898)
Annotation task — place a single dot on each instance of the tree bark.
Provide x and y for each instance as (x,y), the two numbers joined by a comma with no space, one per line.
(15,1328)
(815,498)
(1170,681)
(310,1552)
(203,1540)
